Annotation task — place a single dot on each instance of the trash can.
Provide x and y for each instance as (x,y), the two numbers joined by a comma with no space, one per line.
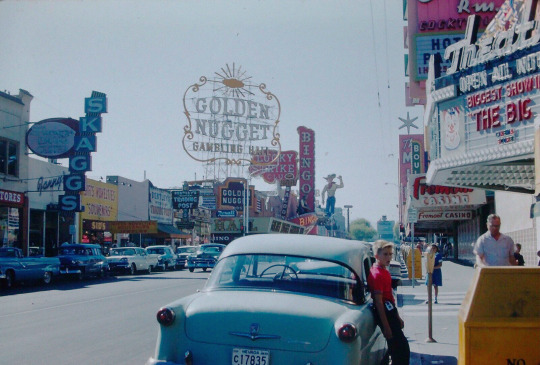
(499,319)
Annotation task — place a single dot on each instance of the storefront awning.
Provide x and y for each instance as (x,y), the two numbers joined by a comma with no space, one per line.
(171,231)
(510,169)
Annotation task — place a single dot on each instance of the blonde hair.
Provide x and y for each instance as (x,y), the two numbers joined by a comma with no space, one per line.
(380,244)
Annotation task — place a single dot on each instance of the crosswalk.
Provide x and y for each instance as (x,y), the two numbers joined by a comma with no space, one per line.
(448,304)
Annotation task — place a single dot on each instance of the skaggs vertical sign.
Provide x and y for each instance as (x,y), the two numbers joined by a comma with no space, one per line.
(80,160)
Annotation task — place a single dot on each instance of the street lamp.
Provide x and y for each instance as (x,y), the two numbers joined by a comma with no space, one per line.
(348,225)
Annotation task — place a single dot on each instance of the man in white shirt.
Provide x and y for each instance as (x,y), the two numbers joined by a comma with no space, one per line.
(494,248)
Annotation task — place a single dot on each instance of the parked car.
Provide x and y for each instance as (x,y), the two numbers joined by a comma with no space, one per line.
(277,299)
(165,256)
(130,260)
(206,256)
(182,254)
(35,251)
(81,260)
(14,267)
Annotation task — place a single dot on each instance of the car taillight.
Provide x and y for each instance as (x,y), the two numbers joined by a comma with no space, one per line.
(165,316)
(347,332)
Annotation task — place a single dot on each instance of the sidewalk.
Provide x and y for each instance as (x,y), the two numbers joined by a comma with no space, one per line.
(414,311)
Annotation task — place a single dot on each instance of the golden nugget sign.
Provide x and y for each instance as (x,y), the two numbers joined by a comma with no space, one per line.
(230,119)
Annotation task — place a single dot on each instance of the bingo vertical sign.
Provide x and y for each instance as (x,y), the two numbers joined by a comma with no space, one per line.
(80,160)
(307,165)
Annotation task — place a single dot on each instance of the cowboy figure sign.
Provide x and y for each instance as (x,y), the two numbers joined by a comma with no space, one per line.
(331,188)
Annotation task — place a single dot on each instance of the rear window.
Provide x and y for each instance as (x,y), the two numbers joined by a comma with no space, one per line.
(287,273)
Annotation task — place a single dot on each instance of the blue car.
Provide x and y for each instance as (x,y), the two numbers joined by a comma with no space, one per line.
(14,267)
(81,260)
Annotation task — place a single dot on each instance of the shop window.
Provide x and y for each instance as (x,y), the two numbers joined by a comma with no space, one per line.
(9,157)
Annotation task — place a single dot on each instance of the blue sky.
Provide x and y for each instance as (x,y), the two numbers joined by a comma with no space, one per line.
(336,67)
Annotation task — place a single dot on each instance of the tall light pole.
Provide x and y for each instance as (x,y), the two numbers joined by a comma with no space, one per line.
(348,225)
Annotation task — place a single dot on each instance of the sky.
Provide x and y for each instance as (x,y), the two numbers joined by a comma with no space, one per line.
(337,67)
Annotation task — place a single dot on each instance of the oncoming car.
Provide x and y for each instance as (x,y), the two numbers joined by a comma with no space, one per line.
(206,256)
(277,299)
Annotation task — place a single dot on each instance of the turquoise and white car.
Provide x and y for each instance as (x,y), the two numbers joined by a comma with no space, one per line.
(277,299)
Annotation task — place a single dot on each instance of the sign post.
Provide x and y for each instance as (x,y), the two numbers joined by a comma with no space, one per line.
(412,217)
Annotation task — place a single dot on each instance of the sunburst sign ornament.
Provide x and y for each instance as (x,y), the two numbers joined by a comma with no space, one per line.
(408,123)
(230,119)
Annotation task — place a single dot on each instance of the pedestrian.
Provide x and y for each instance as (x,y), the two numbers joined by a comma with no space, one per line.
(518,256)
(436,276)
(387,316)
(494,248)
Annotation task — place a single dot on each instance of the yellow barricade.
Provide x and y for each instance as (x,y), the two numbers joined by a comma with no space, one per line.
(499,319)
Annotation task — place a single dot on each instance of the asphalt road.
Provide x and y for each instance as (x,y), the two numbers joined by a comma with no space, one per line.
(95,321)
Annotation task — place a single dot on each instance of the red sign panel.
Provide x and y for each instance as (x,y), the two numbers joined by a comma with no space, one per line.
(12,198)
(285,170)
(307,165)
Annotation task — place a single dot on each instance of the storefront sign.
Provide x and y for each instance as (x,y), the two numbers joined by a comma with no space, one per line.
(498,44)
(185,199)
(423,195)
(224,238)
(231,194)
(53,137)
(92,225)
(445,215)
(229,118)
(285,171)
(411,159)
(306,173)
(160,206)
(100,201)
(226,213)
(451,15)
(80,161)
(142,227)
(12,198)
(50,184)
(308,221)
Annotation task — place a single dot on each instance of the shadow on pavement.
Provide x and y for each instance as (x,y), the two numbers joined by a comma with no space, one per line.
(425,359)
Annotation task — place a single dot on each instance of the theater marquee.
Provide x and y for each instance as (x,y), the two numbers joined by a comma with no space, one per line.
(230,119)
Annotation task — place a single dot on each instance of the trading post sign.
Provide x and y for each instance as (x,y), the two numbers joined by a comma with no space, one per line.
(229,118)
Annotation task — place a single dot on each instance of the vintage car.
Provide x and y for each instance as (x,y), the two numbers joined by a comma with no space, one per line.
(81,260)
(14,267)
(182,254)
(206,256)
(130,260)
(277,299)
(165,256)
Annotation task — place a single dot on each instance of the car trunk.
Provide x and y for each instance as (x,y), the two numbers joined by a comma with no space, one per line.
(294,322)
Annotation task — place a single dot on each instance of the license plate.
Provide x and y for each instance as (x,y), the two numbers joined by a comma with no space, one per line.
(250,357)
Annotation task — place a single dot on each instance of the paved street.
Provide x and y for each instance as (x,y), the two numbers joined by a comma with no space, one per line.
(456,280)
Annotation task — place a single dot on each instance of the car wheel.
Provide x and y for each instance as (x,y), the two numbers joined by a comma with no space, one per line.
(103,273)
(133,269)
(204,269)
(9,282)
(80,275)
(191,269)
(47,277)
